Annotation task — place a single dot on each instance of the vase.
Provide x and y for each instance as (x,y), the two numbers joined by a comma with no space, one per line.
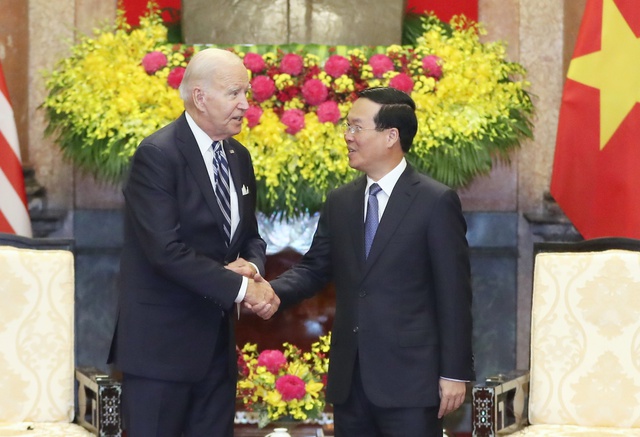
(279,432)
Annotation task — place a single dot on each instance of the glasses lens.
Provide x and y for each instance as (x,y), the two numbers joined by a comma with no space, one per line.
(351,129)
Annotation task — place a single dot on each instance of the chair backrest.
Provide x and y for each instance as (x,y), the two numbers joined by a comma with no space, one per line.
(585,334)
(36,330)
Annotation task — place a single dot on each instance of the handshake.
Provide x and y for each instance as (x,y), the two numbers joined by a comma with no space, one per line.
(259,297)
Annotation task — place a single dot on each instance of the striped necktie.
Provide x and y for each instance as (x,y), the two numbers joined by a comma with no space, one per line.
(221,178)
(371,221)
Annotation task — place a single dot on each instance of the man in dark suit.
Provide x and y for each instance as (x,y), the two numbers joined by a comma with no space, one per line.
(401,341)
(191,253)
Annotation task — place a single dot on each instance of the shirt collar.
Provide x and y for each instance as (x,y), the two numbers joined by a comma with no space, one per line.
(388,181)
(203,140)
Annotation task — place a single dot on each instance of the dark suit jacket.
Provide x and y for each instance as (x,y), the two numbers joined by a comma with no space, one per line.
(175,291)
(406,310)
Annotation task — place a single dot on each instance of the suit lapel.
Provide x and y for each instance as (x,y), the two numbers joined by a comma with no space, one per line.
(237,177)
(356,197)
(191,152)
(401,199)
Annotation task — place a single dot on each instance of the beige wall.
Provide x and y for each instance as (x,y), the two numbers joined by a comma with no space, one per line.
(293,21)
(14,57)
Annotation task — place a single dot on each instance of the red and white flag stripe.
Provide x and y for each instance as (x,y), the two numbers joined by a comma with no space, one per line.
(14,213)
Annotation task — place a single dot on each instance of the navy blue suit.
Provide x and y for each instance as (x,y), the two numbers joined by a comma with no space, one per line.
(404,313)
(176,297)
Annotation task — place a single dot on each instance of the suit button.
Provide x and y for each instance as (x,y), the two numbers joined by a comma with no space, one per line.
(355,329)
(362,293)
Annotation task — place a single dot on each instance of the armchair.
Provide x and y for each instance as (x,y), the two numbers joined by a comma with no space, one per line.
(584,376)
(37,376)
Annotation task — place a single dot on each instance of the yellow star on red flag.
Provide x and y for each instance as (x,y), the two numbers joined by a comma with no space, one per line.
(614,70)
(595,176)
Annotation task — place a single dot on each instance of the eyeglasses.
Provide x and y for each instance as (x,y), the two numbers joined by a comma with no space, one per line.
(354,129)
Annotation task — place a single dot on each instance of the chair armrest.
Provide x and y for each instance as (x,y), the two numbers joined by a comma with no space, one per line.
(99,402)
(499,405)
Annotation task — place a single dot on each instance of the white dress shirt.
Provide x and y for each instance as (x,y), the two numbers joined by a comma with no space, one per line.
(205,144)
(386,183)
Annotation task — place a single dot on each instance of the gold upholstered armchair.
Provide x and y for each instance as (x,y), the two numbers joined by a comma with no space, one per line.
(37,374)
(584,375)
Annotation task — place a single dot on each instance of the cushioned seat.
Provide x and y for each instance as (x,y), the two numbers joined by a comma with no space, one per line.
(585,346)
(43,429)
(37,374)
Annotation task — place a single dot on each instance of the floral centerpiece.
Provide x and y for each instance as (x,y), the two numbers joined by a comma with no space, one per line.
(287,384)
(120,85)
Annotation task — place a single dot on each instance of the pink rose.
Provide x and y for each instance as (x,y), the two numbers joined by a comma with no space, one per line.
(175,77)
(254,62)
(328,112)
(291,64)
(253,115)
(432,67)
(273,360)
(337,65)
(293,119)
(154,61)
(314,92)
(402,82)
(263,87)
(291,387)
(380,64)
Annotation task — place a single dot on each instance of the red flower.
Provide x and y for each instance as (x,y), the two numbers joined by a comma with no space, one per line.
(188,52)
(291,64)
(263,88)
(431,66)
(402,82)
(314,92)
(273,360)
(293,119)
(291,387)
(253,115)
(243,368)
(328,112)
(336,66)
(380,64)
(154,61)
(175,77)
(287,93)
(254,62)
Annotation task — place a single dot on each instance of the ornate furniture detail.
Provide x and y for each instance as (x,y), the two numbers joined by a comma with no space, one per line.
(37,285)
(99,402)
(499,403)
(585,347)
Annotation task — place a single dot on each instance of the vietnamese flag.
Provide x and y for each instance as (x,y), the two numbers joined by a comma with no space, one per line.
(596,169)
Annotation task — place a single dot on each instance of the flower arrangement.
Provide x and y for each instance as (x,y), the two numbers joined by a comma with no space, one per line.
(472,105)
(286,384)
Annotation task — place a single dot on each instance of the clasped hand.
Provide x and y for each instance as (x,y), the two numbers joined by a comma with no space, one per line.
(260,297)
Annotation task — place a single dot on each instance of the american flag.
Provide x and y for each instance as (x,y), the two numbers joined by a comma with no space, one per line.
(14,213)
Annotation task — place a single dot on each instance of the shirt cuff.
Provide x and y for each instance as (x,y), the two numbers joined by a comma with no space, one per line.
(455,380)
(255,267)
(243,289)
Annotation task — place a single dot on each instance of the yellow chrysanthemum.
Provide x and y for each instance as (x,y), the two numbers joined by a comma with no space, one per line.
(102,103)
